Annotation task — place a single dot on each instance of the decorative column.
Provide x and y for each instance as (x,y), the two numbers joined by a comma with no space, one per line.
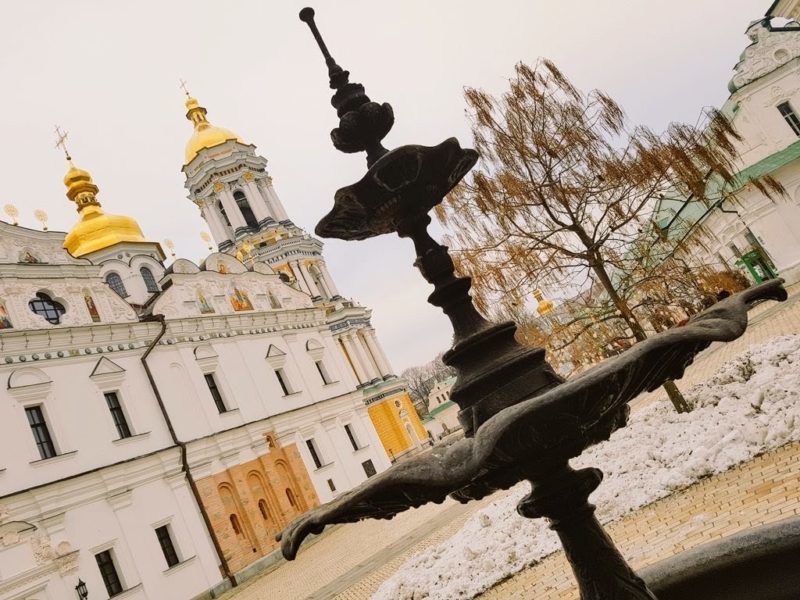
(347,346)
(219,231)
(231,209)
(366,364)
(255,198)
(298,275)
(309,280)
(277,206)
(375,349)
(328,279)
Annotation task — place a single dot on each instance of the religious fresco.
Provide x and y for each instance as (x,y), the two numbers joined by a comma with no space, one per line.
(205,307)
(221,268)
(5,320)
(92,307)
(240,300)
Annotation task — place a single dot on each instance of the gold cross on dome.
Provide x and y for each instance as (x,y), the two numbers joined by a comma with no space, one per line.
(184,87)
(61,141)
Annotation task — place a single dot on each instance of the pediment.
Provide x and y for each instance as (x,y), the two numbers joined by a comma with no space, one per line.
(273,351)
(106,366)
(205,351)
(27,376)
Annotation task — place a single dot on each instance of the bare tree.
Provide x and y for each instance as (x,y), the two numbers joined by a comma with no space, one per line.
(421,379)
(564,191)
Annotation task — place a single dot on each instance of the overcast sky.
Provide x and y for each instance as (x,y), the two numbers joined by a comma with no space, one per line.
(108,73)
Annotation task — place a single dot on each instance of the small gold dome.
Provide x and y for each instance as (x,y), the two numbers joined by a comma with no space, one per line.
(205,134)
(545,306)
(96,230)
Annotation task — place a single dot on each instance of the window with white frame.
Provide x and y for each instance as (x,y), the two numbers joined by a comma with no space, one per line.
(164,536)
(351,435)
(323,372)
(118,415)
(41,433)
(788,114)
(283,381)
(109,572)
(213,388)
(311,444)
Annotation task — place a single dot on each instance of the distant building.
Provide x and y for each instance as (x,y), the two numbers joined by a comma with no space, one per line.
(442,417)
(749,231)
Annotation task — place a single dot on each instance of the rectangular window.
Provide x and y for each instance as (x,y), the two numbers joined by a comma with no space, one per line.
(736,252)
(167,547)
(283,381)
(105,562)
(41,434)
(323,372)
(790,117)
(331,485)
(351,436)
(117,415)
(369,468)
(312,448)
(215,394)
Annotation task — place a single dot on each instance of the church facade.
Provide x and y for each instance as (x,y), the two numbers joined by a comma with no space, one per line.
(159,425)
(744,229)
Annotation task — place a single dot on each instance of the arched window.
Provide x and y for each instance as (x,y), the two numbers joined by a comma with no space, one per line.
(46,307)
(149,280)
(114,281)
(262,506)
(237,528)
(290,496)
(244,208)
(224,214)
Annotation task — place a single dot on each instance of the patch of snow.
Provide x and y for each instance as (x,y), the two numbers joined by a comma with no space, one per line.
(751,405)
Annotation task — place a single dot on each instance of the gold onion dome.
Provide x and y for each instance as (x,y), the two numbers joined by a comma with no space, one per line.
(96,229)
(545,306)
(205,134)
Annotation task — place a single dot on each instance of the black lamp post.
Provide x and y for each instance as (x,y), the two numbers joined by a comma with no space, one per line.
(521,420)
(83,593)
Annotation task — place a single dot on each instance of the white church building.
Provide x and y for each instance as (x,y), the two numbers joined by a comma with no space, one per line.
(158,426)
(744,229)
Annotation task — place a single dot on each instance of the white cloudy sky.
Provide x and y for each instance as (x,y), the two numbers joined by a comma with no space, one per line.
(108,73)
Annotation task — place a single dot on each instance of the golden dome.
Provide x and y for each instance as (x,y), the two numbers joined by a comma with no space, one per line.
(96,230)
(545,306)
(205,134)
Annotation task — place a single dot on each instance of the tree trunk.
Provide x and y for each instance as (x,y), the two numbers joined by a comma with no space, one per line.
(676,397)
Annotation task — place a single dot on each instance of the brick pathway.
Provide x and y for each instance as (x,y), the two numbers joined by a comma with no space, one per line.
(761,491)
(351,562)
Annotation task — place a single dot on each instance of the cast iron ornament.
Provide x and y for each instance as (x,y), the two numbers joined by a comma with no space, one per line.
(521,420)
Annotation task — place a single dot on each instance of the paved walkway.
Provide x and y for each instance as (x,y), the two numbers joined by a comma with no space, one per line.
(350,562)
(763,490)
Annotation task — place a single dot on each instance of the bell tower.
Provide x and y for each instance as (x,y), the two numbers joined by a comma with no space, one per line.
(231,186)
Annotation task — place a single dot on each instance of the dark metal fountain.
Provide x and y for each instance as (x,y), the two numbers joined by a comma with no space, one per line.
(522,421)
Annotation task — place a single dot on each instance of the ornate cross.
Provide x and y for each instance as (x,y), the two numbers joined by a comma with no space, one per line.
(61,141)
(184,87)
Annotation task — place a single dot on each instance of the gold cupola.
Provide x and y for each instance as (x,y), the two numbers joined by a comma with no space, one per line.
(205,134)
(545,306)
(96,229)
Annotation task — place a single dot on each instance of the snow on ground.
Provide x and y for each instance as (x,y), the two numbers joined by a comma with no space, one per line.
(748,407)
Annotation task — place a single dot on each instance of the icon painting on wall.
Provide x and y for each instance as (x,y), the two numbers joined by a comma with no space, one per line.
(205,307)
(221,268)
(240,300)
(5,320)
(92,307)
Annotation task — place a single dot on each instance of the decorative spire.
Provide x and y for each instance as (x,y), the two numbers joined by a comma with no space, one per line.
(80,187)
(362,123)
(184,87)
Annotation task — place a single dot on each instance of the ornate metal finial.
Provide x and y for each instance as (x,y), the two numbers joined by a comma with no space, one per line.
(185,88)
(12,212)
(362,123)
(41,216)
(61,141)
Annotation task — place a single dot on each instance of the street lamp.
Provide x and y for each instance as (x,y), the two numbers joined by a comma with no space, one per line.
(83,593)
(522,422)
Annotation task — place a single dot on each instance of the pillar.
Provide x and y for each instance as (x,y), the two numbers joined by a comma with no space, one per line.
(374,347)
(328,279)
(309,280)
(366,364)
(347,345)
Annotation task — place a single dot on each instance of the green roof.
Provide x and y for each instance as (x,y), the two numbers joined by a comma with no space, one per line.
(441,408)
